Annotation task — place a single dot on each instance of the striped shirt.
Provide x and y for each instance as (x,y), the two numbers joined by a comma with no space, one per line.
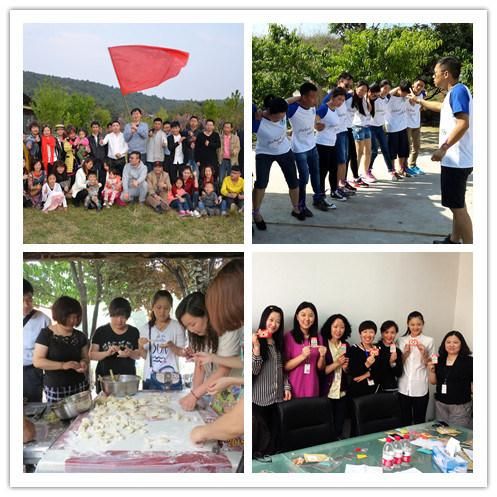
(268,379)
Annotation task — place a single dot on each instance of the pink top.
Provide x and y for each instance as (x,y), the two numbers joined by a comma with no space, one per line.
(227,147)
(303,385)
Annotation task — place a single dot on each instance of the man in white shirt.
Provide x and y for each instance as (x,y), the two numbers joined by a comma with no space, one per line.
(414,127)
(117,147)
(455,151)
(33,322)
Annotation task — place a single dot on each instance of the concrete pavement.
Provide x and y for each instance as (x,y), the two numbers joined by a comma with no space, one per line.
(404,212)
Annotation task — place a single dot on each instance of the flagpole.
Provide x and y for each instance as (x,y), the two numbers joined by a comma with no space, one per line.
(126,104)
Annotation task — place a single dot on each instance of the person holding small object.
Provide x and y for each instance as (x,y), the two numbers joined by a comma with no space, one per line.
(115,345)
(416,350)
(162,341)
(390,358)
(62,352)
(364,363)
(335,332)
(452,374)
(202,338)
(304,352)
(224,303)
(270,384)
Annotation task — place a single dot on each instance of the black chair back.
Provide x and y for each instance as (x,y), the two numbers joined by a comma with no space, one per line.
(375,412)
(304,423)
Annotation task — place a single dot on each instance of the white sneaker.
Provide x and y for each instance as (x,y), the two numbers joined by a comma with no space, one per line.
(196,213)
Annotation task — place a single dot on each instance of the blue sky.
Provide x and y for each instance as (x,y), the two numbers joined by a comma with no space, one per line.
(79,51)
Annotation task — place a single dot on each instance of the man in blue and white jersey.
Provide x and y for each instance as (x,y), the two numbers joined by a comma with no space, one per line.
(302,115)
(455,151)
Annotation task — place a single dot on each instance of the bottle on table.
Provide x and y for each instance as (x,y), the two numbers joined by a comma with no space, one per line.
(397,452)
(406,451)
(388,456)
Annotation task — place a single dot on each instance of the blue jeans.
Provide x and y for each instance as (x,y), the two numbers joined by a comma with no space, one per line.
(342,147)
(378,137)
(224,170)
(186,205)
(308,165)
(194,166)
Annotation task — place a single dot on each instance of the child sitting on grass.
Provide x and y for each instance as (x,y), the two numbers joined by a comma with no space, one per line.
(179,199)
(62,178)
(52,195)
(210,203)
(159,186)
(232,190)
(92,187)
(113,187)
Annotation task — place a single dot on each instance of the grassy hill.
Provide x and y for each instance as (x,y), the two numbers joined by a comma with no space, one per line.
(107,96)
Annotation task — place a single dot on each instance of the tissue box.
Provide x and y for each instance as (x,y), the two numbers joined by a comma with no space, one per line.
(448,464)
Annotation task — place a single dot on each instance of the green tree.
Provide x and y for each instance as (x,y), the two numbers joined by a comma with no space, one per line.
(374,54)
(232,109)
(339,29)
(79,110)
(103,116)
(50,104)
(282,61)
(211,110)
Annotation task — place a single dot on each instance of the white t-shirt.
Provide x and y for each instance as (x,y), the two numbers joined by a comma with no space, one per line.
(397,114)
(457,100)
(30,333)
(162,357)
(414,114)
(228,346)
(302,121)
(331,121)
(271,137)
(179,156)
(359,119)
(380,111)
(414,379)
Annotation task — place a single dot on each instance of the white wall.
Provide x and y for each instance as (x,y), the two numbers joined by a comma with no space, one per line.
(376,286)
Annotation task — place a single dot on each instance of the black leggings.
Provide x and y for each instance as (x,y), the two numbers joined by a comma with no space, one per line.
(413,409)
(327,165)
(352,154)
(80,197)
(269,415)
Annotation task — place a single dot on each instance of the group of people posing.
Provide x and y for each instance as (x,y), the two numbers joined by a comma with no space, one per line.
(196,171)
(57,355)
(345,129)
(308,362)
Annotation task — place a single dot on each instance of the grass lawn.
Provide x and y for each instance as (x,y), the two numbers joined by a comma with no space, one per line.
(130,224)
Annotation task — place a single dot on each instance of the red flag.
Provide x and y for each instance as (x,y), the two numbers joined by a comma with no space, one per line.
(139,67)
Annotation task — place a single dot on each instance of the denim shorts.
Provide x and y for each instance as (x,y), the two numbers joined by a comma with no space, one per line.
(361,133)
(342,147)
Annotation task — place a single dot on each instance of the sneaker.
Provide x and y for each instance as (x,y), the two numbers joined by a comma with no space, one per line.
(196,213)
(348,186)
(337,195)
(299,215)
(371,177)
(330,204)
(233,207)
(158,209)
(411,171)
(405,174)
(360,183)
(307,212)
(345,193)
(395,176)
(106,204)
(366,180)
(418,170)
(446,240)
(260,223)
(240,210)
(224,213)
(347,190)
(319,204)
(203,212)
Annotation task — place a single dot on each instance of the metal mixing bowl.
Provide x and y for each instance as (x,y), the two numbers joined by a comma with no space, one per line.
(72,406)
(122,385)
